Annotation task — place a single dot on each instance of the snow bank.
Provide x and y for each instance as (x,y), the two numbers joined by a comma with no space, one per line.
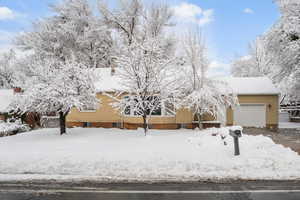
(8,128)
(114,155)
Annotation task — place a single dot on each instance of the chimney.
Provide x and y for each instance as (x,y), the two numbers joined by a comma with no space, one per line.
(113,66)
(17,90)
(113,70)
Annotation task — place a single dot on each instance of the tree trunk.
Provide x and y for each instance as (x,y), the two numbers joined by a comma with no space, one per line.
(145,124)
(199,121)
(62,122)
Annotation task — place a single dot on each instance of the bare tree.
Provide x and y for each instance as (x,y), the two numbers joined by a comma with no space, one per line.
(201,94)
(257,63)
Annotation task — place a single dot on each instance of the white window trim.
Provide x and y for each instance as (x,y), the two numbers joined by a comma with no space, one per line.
(87,111)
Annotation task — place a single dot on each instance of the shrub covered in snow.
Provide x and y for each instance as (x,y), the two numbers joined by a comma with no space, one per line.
(11,128)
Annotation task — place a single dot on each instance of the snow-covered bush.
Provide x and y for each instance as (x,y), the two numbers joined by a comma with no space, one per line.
(11,128)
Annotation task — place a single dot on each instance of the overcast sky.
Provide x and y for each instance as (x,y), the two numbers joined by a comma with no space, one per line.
(228,25)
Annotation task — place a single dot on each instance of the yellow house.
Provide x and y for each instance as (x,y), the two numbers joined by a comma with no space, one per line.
(257,96)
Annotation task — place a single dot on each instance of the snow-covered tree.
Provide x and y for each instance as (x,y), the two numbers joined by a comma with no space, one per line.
(7,69)
(201,94)
(283,43)
(257,63)
(73,32)
(57,87)
(144,56)
(146,79)
(65,48)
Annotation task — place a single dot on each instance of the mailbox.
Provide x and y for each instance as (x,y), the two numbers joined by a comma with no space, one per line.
(236,134)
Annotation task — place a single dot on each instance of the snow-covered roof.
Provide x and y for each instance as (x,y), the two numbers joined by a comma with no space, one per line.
(107,82)
(6,97)
(252,85)
(241,86)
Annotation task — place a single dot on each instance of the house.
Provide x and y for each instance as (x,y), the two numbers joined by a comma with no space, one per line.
(257,96)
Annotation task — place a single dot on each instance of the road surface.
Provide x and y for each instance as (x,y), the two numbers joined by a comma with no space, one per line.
(246,190)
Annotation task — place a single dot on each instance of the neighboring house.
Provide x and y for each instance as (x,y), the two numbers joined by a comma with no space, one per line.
(6,97)
(257,96)
(291,110)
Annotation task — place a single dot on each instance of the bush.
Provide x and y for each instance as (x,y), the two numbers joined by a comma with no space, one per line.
(12,128)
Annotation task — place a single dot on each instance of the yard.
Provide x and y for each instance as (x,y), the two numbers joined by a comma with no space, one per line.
(123,155)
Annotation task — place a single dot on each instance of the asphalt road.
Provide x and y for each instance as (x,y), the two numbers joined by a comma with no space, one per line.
(251,190)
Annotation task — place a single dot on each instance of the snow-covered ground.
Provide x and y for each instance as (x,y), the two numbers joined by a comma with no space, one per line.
(114,155)
(284,121)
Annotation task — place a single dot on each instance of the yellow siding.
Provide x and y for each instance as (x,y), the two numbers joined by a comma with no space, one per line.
(106,113)
(184,116)
(152,120)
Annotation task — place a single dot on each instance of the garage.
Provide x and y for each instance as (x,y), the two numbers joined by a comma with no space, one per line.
(250,115)
(259,103)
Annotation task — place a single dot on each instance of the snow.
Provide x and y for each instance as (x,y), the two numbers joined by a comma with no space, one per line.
(6,97)
(252,85)
(116,155)
(289,125)
(241,85)
(6,128)
(108,82)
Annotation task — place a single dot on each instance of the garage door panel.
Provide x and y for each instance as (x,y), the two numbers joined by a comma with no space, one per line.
(250,115)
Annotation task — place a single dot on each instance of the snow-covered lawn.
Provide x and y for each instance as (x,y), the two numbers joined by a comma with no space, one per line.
(113,154)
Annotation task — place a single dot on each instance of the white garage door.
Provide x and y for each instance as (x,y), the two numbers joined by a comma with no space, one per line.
(250,115)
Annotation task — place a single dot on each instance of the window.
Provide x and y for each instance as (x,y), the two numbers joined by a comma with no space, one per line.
(88,108)
(169,109)
(116,125)
(87,124)
(165,109)
(127,110)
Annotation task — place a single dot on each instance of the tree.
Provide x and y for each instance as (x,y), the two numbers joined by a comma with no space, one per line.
(283,43)
(144,56)
(145,78)
(7,70)
(58,87)
(65,46)
(201,94)
(257,63)
(74,32)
